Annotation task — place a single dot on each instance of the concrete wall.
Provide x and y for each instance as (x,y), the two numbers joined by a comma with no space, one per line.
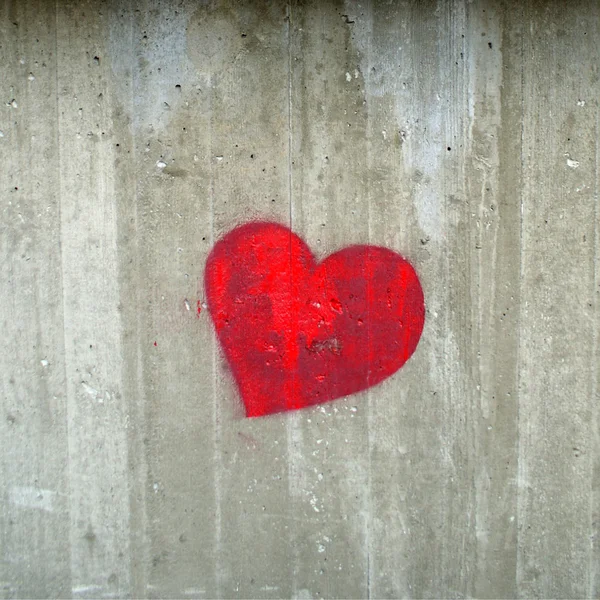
(464,135)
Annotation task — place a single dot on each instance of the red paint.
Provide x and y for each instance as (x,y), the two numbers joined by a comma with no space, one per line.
(296,332)
(198,308)
(155,344)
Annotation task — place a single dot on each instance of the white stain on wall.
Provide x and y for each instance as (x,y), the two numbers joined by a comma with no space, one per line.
(32,497)
(388,69)
(160,67)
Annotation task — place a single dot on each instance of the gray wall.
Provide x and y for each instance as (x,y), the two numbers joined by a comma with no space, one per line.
(464,135)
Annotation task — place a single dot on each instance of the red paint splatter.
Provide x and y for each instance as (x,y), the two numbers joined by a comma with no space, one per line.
(155,344)
(198,308)
(297,332)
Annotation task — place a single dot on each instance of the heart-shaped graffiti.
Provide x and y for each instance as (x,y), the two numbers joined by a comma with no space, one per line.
(296,332)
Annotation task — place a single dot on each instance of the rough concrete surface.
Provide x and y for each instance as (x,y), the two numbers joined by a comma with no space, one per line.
(462,134)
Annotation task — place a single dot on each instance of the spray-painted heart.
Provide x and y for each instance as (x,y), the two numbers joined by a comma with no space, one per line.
(297,332)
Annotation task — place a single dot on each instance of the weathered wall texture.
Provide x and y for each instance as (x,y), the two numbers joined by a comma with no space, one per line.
(464,135)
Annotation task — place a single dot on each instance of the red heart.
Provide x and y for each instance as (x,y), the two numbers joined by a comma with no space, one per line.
(297,332)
